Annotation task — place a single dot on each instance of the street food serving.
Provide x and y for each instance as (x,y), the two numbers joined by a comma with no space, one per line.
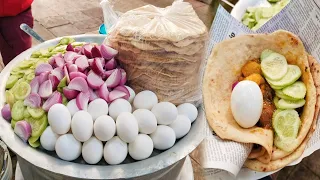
(280,118)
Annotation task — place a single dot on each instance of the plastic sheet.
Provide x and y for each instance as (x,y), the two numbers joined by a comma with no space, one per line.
(162,50)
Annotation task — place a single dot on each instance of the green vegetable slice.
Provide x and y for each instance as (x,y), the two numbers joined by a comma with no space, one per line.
(277,87)
(281,95)
(267,12)
(265,53)
(26,113)
(285,144)
(25,64)
(36,54)
(286,123)
(290,77)
(22,91)
(11,81)
(62,84)
(33,139)
(13,123)
(17,110)
(297,90)
(9,98)
(38,125)
(34,144)
(36,112)
(30,76)
(276,101)
(289,104)
(64,100)
(274,66)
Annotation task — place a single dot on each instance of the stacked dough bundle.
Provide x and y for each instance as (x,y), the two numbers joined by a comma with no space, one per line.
(162,50)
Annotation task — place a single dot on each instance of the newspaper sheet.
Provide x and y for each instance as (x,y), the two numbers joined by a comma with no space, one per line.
(224,159)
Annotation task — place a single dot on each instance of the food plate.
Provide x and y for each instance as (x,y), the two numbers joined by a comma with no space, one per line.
(54,167)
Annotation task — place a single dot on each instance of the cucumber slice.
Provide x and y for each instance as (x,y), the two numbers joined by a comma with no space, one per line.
(11,81)
(22,91)
(25,64)
(13,123)
(75,44)
(274,66)
(285,144)
(30,76)
(9,98)
(36,112)
(276,101)
(267,12)
(288,104)
(36,54)
(38,125)
(34,144)
(26,113)
(251,9)
(62,84)
(297,90)
(17,110)
(258,14)
(33,139)
(281,95)
(277,87)
(265,53)
(286,124)
(289,78)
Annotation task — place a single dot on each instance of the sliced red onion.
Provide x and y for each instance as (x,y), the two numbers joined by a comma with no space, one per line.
(103,61)
(69,47)
(234,84)
(77,49)
(70,93)
(82,63)
(114,79)
(94,81)
(79,84)
(43,77)
(93,95)
(73,75)
(82,100)
(23,130)
(103,92)
(108,52)
(90,61)
(55,98)
(66,74)
(33,100)
(59,61)
(95,52)
(106,74)
(116,94)
(43,67)
(70,56)
(123,79)
(72,68)
(54,81)
(6,112)
(97,67)
(123,89)
(51,61)
(86,50)
(111,64)
(45,89)
(34,84)
(58,72)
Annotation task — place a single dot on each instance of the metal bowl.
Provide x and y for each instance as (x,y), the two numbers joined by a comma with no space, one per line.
(41,164)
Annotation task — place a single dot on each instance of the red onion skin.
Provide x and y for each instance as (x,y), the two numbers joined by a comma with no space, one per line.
(234,84)
(6,112)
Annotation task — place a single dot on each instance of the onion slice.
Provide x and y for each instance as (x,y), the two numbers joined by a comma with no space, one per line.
(59,61)
(55,98)
(73,75)
(94,81)
(66,73)
(95,52)
(54,81)
(106,74)
(23,130)
(82,63)
(34,84)
(114,79)
(108,52)
(79,84)
(123,89)
(82,100)
(123,79)
(116,94)
(97,67)
(6,112)
(43,77)
(45,89)
(69,47)
(111,64)
(103,92)
(86,50)
(33,100)
(72,68)
(70,56)
(93,95)
(43,67)
(70,93)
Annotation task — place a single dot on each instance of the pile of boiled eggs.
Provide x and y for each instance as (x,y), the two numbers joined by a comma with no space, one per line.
(113,131)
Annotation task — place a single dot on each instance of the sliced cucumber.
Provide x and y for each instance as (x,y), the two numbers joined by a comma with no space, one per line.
(26,113)
(274,66)
(22,91)
(38,125)
(62,84)
(17,110)
(276,101)
(265,53)
(36,112)
(25,64)
(286,124)
(30,76)
(277,87)
(34,144)
(9,98)
(33,139)
(297,90)
(267,12)
(288,104)
(36,54)
(281,95)
(285,144)
(289,78)
(11,81)
(13,123)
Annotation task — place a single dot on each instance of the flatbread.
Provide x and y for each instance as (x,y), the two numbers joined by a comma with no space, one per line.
(280,163)
(223,69)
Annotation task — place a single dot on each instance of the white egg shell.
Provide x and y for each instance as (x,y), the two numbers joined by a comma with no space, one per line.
(72,107)
(67,147)
(115,151)
(59,118)
(189,110)
(147,122)
(246,103)
(82,126)
(181,126)
(127,127)
(92,150)
(104,128)
(141,147)
(132,94)
(145,100)
(165,112)
(48,139)
(97,108)
(118,106)
(163,137)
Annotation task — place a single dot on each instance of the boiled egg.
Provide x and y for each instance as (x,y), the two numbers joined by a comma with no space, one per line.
(59,118)
(127,127)
(145,100)
(246,103)
(118,106)
(141,147)
(132,94)
(181,126)
(97,108)
(48,139)
(82,126)
(163,137)
(92,150)
(67,147)
(165,112)
(72,107)
(189,110)
(115,151)
(104,128)
(147,122)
